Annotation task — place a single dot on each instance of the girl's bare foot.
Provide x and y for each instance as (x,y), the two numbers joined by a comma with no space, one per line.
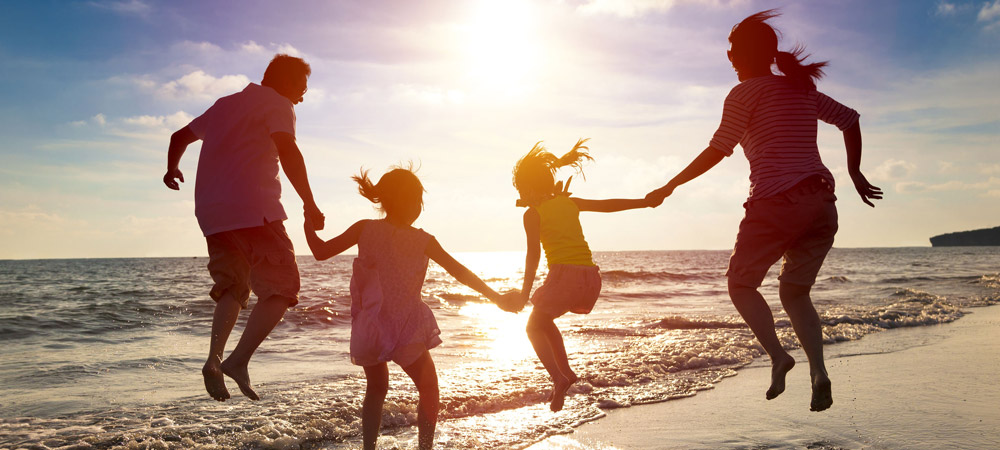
(241,376)
(559,392)
(215,383)
(779,367)
(822,394)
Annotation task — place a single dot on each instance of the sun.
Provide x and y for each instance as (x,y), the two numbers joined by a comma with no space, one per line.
(502,47)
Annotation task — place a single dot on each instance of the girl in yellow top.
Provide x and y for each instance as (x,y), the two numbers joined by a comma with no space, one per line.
(574,281)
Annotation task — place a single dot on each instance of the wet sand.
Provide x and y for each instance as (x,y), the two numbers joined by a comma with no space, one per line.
(918,388)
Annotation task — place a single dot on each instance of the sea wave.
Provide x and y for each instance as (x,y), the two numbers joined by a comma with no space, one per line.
(627,276)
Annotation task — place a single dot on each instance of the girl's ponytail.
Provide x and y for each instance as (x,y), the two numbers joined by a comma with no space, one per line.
(574,158)
(365,187)
(802,75)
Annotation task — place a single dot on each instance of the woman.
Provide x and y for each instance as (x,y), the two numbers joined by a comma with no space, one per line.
(790,212)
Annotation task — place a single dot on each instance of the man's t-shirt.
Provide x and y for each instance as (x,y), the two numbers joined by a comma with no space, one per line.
(237,184)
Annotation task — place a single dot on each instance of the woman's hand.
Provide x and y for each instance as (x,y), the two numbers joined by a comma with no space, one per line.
(865,189)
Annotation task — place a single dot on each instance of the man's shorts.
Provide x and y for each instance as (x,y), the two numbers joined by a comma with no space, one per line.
(258,258)
(798,224)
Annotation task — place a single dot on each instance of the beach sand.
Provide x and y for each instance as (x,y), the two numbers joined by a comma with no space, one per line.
(931,387)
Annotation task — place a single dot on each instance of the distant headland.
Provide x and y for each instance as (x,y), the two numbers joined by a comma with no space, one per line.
(985,236)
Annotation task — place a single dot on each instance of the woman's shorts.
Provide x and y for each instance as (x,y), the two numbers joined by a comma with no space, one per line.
(568,288)
(798,224)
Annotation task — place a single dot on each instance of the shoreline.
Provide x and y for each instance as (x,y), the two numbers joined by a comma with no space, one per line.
(925,387)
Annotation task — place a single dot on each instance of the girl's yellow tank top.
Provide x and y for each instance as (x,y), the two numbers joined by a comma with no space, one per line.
(561,233)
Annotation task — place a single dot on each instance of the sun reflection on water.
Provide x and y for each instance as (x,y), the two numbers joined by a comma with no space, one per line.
(506,341)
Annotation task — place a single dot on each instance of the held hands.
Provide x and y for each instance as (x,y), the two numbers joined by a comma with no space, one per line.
(510,301)
(655,198)
(315,220)
(865,189)
(171,177)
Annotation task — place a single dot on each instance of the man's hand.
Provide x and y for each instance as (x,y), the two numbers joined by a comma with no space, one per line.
(171,177)
(315,218)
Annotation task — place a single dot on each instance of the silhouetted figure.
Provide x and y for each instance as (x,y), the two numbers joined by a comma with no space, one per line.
(790,211)
(389,321)
(573,283)
(237,202)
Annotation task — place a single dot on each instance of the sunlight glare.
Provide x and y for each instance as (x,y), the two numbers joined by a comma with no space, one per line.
(507,341)
(502,45)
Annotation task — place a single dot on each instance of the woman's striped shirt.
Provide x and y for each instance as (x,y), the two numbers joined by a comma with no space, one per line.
(775,123)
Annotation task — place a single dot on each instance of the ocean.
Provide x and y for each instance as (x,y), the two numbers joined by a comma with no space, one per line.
(106,353)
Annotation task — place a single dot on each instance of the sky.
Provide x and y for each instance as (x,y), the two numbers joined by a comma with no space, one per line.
(90,92)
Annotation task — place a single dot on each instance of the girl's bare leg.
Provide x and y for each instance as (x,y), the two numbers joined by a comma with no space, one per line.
(371,410)
(548,345)
(424,376)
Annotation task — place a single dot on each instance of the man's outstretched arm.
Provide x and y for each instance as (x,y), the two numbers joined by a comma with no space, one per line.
(294,167)
(178,143)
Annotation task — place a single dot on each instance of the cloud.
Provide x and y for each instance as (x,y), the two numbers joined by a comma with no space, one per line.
(990,14)
(990,169)
(945,9)
(136,7)
(893,169)
(987,188)
(202,86)
(173,121)
(140,127)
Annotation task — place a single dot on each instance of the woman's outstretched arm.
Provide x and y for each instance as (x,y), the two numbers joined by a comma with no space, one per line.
(852,140)
(707,159)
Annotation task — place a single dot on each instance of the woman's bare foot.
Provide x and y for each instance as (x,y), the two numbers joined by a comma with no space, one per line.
(779,367)
(559,392)
(215,383)
(822,393)
(241,376)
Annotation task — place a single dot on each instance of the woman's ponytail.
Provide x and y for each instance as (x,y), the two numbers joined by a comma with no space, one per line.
(802,75)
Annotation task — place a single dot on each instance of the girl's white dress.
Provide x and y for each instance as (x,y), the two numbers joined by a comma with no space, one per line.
(389,321)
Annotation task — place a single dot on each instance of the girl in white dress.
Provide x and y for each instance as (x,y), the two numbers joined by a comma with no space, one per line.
(389,321)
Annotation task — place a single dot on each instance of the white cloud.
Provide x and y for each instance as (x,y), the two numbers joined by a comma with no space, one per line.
(201,85)
(137,7)
(175,120)
(945,9)
(986,187)
(990,169)
(140,127)
(893,169)
(252,47)
(288,50)
(990,14)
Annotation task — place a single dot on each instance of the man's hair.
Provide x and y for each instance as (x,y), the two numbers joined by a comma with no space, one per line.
(284,69)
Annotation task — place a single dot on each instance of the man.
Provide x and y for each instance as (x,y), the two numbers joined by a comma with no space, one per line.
(237,203)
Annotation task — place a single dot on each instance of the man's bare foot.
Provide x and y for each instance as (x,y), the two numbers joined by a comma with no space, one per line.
(241,376)
(559,392)
(822,394)
(215,383)
(779,368)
